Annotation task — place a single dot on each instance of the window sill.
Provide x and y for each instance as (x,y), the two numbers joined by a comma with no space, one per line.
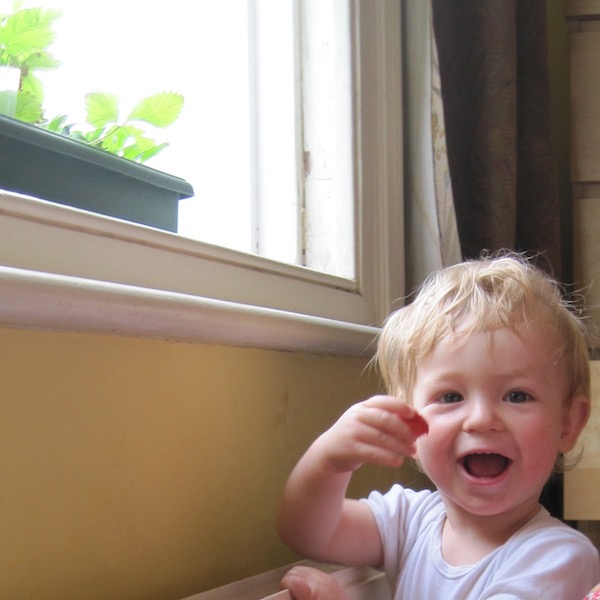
(46,237)
(36,300)
(67,269)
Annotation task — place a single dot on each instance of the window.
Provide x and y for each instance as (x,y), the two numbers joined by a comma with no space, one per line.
(367,274)
(264,136)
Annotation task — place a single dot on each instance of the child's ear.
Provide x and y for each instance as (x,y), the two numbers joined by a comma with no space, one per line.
(574,420)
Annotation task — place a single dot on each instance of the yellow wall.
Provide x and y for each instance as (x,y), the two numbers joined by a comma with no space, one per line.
(144,469)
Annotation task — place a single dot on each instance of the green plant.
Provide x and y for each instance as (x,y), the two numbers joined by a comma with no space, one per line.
(25,36)
(123,138)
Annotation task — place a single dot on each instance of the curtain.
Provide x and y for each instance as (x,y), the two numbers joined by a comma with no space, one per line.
(495,84)
(431,231)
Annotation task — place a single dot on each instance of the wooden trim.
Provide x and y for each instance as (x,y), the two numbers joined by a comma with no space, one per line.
(582,9)
(363,583)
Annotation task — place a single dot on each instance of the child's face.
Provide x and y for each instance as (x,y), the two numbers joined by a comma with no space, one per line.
(496,408)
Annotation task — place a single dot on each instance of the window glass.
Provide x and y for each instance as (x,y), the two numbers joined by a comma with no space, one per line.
(263,152)
(134,48)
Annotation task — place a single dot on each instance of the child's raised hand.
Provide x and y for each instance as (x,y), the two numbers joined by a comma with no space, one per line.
(315,518)
(381,430)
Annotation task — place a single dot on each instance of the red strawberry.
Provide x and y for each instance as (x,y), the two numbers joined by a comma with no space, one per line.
(418,424)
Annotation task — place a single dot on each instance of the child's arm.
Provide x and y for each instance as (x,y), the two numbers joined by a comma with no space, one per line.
(315,519)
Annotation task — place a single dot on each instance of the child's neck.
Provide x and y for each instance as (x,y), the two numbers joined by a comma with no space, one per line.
(467,538)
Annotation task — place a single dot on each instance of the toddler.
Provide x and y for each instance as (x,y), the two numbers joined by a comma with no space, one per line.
(488,384)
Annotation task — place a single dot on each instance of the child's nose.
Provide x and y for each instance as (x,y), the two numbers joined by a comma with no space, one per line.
(482,415)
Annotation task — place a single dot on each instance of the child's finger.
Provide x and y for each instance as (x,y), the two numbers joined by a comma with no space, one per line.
(417,424)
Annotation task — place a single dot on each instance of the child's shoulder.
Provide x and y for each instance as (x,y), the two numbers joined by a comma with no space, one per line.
(549,538)
(545,525)
(549,554)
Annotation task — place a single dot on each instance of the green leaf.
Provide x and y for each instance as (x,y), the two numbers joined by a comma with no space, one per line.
(143,142)
(160,110)
(57,124)
(151,152)
(41,60)
(29,30)
(29,109)
(114,139)
(32,85)
(95,135)
(131,152)
(140,145)
(102,108)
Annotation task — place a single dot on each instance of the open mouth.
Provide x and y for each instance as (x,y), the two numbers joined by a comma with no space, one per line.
(485,465)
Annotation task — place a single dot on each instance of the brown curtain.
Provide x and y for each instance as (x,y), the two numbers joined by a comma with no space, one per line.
(493,57)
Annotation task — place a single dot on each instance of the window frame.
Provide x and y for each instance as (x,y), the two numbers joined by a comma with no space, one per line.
(78,257)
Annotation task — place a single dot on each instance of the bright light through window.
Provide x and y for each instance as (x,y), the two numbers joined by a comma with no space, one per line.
(245,127)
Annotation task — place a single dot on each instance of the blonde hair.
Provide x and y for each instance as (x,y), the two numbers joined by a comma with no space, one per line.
(492,292)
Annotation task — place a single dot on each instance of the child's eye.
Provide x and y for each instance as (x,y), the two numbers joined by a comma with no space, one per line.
(450,398)
(518,397)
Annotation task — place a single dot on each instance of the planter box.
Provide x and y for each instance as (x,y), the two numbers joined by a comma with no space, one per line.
(50,166)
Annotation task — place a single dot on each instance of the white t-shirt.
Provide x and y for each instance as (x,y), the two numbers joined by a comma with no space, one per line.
(545,559)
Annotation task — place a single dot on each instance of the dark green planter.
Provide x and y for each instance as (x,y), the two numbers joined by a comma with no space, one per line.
(46,165)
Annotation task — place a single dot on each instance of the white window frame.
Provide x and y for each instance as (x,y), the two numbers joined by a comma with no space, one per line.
(327,157)
(68,269)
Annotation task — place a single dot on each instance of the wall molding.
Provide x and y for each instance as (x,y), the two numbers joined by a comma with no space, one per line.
(44,301)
